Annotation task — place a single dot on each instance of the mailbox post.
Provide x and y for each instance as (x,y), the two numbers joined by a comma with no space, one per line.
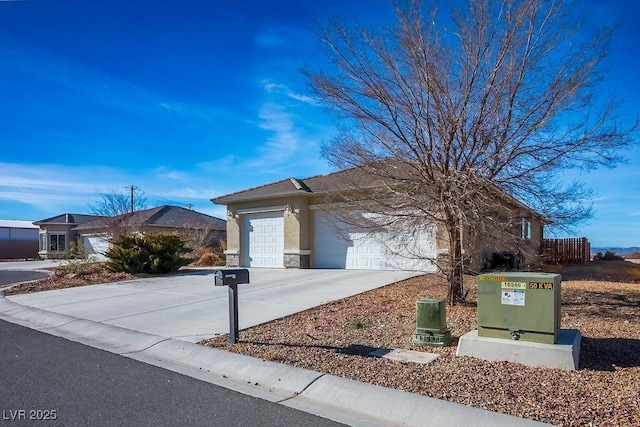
(232,278)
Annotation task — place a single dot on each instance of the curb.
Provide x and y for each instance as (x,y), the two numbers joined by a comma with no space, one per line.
(340,399)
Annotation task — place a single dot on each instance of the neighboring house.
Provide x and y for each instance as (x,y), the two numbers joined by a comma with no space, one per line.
(94,236)
(18,239)
(57,233)
(289,224)
(92,232)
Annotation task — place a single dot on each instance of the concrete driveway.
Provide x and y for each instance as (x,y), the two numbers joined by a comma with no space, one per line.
(187,306)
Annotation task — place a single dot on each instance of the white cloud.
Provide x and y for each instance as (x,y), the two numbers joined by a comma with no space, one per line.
(53,188)
(293,139)
(55,178)
(276,119)
(276,88)
(44,190)
(165,173)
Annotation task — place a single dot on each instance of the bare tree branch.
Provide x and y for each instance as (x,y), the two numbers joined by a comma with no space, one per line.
(445,115)
(115,209)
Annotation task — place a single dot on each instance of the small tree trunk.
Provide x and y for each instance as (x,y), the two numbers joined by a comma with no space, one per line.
(455,273)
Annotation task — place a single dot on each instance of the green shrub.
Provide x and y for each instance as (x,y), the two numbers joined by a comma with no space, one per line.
(76,251)
(608,256)
(154,253)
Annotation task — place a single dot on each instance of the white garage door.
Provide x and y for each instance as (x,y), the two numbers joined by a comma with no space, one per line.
(96,246)
(339,246)
(263,240)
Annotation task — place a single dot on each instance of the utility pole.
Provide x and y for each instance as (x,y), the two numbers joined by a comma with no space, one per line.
(132,188)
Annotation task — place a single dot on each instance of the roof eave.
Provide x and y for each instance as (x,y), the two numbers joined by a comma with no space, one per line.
(226,201)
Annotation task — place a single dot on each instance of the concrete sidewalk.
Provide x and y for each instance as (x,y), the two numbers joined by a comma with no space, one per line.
(156,320)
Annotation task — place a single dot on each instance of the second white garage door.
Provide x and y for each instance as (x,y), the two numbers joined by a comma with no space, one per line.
(263,240)
(96,245)
(336,246)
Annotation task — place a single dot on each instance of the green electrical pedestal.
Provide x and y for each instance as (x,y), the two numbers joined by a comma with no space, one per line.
(521,306)
(431,323)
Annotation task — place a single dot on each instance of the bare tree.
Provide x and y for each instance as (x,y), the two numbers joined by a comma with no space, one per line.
(454,118)
(117,210)
(201,238)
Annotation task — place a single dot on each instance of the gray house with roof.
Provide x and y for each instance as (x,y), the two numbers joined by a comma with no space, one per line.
(93,232)
(57,232)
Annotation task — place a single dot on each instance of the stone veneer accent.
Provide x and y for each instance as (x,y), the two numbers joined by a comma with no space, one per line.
(233,260)
(296,261)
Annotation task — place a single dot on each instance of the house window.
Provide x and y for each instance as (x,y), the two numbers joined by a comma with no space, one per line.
(57,242)
(43,242)
(525,229)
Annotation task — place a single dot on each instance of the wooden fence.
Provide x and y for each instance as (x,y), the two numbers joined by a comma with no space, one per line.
(566,251)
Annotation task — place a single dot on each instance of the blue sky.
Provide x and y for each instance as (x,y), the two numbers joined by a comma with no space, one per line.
(188,100)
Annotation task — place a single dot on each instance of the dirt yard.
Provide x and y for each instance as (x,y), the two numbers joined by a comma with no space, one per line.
(602,300)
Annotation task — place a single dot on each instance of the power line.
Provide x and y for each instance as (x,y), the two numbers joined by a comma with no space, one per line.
(170,202)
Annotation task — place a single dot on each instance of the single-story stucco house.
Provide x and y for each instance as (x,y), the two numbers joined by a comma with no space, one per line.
(92,232)
(289,224)
(57,232)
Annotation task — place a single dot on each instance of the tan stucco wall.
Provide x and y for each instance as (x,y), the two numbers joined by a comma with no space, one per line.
(298,231)
(71,236)
(296,225)
(295,211)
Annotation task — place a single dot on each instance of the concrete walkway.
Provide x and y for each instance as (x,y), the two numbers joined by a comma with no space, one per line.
(156,320)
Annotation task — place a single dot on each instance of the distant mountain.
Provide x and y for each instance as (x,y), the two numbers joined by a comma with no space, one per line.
(617,251)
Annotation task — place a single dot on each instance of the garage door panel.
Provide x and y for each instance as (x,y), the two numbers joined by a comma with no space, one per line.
(334,247)
(96,246)
(263,240)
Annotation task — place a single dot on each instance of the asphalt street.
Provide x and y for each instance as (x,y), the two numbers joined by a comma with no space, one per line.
(50,379)
(17,276)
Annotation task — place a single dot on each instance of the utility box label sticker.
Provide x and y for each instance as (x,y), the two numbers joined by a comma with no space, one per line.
(513,285)
(513,297)
(541,285)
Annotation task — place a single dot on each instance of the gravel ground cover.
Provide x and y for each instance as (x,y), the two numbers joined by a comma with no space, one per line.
(601,300)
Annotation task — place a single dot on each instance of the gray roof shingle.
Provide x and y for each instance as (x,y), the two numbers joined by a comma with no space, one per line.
(319,184)
(333,183)
(68,218)
(168,216)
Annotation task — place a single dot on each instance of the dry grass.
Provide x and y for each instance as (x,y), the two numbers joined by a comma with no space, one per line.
(600,300)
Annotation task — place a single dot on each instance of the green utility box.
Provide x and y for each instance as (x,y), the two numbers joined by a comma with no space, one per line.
(519,306)
(431,323)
